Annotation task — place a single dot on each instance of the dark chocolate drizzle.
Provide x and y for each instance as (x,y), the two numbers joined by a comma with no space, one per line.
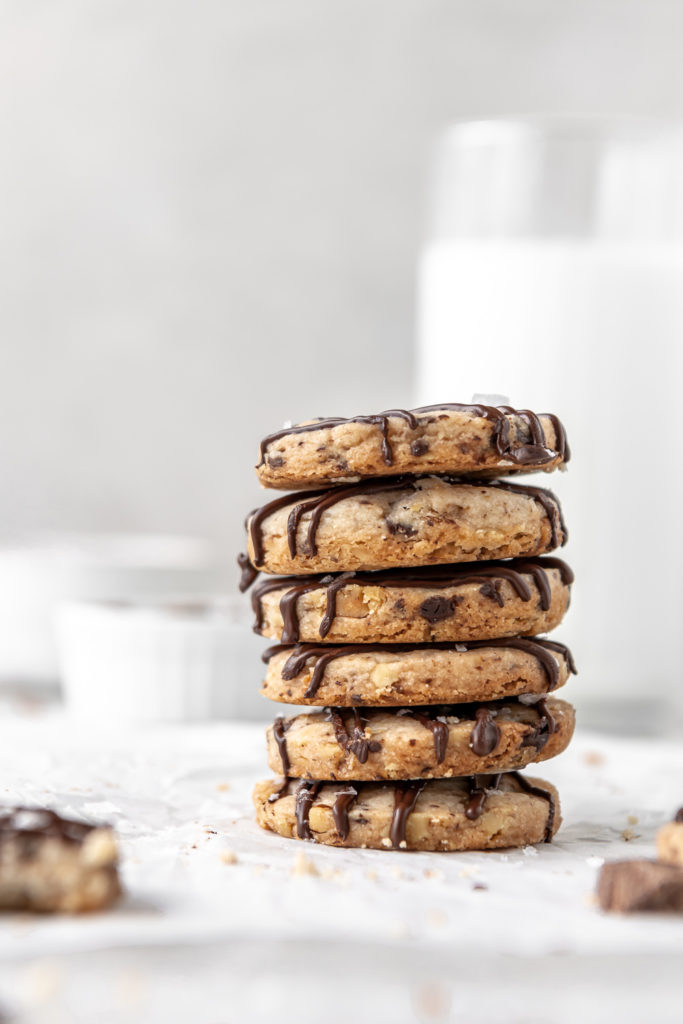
(435,577)
(546,795)
(405,798)
(27,827)
(485,735)
(340,810)
(249,573)
(280,791)
(280,727)
(539,734)
(305,795)
(317,502)
(432,718)
(352,739)
(533,452)
(479,786)
(296,662)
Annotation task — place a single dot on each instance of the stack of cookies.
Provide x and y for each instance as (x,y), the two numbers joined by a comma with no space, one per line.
(407,588)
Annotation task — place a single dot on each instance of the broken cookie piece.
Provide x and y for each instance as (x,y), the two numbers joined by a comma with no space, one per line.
(632,886)
(53,864)
(670,841)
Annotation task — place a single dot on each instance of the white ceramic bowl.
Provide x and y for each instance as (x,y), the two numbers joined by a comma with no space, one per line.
(168,661)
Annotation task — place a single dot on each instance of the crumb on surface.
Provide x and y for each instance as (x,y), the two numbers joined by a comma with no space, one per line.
(229,857)
(303,865)
(628,834)
(632,819)
(593,758)
(434,873)
(222,787)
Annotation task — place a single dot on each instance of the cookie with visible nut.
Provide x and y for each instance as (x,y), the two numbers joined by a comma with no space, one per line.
(403,521)
(385,675)
(477,813)
(479,440)
(419,742)
(439,603)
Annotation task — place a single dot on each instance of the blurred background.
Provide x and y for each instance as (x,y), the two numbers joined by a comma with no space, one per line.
(217,217)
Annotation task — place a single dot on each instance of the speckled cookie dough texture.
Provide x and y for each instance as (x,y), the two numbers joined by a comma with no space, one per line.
(403,521)
(439,603)
(477,440)
(419,743)
(478,813)
(386,675)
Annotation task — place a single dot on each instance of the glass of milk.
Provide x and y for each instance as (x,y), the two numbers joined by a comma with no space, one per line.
(553,274)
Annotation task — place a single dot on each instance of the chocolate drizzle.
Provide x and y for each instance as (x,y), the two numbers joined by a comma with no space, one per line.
(545,727)
(280,791)
(317,502)
(679,815)
(340,810)
(479,785)
(544,794)
(535,451)
(432,577)
(485,735)
(280,727)
(405,798)
(249,573)
(434,720)
(353,740)
(305,795)
(296,662)
(35,823)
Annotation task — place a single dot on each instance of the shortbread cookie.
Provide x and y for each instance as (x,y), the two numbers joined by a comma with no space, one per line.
(382,675)
(380,524)
(670,841)
(481,440)
(420,742)
(477,813)
(447,603)
(640,886)
(49,863)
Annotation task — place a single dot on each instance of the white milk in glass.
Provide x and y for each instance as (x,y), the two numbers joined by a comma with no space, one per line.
(592,331)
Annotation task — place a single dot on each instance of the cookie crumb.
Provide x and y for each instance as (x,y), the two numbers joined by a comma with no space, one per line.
(223,787)
(628,834)
(480,887)
(303,865)
(228,857)
(371,875)
(434,873)
(632,819)
(593,758)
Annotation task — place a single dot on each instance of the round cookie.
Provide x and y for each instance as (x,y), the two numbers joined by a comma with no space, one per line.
(385,675)
(481,440)
(479,813)
(419,743)
(400,521)
(444,603)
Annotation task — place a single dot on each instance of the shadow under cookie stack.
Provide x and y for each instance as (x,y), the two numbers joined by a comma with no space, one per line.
(406,606)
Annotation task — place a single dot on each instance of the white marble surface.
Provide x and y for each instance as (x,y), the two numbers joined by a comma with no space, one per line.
(253,938)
